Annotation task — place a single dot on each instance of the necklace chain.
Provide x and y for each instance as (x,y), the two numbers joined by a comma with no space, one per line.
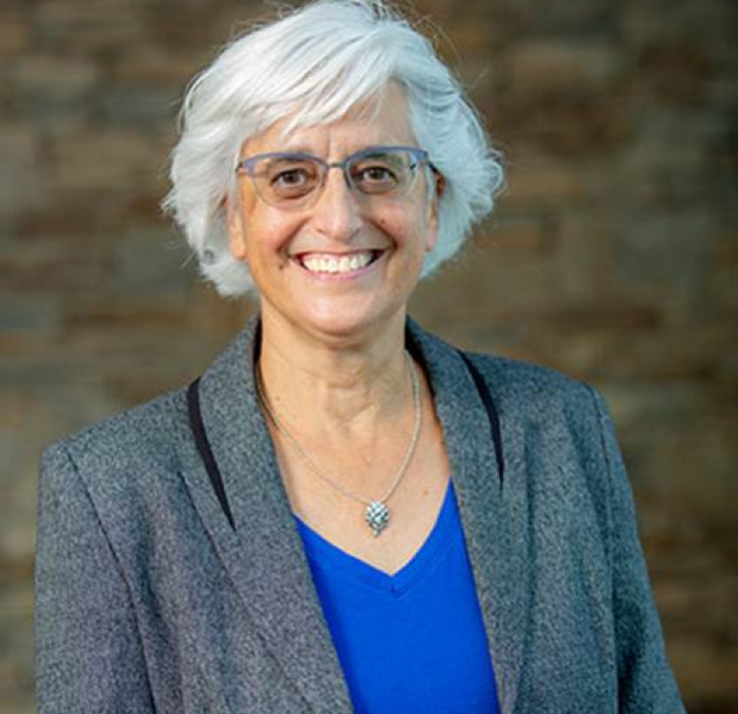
(376,513)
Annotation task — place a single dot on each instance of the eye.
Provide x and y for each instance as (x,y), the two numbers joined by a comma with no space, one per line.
(290,179)
(377,175)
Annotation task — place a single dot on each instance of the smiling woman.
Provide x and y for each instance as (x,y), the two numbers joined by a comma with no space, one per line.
(344,513)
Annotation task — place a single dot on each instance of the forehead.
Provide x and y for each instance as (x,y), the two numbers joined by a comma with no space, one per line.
(384,119)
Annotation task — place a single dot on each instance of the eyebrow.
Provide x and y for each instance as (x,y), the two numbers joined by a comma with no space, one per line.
(296,149)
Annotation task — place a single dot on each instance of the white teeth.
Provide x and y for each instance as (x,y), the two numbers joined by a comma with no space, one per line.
(334,264)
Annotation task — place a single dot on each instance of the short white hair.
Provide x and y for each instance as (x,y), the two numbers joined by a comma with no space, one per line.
(313,65)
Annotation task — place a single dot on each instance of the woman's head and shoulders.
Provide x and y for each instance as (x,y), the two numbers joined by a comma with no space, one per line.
(330,80)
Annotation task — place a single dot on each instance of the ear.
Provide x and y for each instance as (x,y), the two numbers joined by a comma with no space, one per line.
(440,184)
(433,205)
(236,236)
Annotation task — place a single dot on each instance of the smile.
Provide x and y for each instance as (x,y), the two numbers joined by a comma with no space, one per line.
(337,264)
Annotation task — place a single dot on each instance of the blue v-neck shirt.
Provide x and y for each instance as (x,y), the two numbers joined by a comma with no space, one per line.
(412,642)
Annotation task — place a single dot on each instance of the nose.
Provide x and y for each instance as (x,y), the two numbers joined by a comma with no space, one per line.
(336,213)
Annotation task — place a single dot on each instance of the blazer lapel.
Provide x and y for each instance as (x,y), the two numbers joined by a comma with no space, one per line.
(493,513)
(264,555)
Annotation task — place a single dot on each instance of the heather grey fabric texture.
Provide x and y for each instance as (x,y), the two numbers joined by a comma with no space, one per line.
(148,601)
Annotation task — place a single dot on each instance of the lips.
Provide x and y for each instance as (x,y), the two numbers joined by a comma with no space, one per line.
(334,264)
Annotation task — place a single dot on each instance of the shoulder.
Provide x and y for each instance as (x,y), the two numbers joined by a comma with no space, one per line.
(546,407)
(532,389)
(524,393)
(123,448)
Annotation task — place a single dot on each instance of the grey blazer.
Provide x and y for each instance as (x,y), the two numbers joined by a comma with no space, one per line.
(147,600)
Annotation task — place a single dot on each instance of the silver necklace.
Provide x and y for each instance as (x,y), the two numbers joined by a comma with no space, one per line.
(376,513)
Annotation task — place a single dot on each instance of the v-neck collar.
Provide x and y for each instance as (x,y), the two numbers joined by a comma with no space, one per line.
(323,554)
(264,554)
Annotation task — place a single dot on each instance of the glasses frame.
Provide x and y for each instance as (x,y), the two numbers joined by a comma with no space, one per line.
(248,165)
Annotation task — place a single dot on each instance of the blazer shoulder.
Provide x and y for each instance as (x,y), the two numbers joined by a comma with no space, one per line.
(132,441)
(536,388)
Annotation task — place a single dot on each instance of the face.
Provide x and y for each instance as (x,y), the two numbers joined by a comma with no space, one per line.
(347,265)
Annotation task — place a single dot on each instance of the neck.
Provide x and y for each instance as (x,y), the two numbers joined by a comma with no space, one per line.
(337,387)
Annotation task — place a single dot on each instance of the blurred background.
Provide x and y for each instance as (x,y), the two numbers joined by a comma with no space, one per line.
(612,256)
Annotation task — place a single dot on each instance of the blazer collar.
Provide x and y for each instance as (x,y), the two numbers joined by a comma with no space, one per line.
(265,557)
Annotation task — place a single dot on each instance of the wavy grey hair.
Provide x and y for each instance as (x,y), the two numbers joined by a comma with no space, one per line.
(313,65)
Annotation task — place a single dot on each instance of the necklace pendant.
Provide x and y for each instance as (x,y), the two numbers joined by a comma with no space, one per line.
(377,516)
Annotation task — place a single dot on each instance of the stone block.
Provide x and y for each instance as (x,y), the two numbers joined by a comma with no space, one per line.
(107,159)
(28,315)
(472,32)
(583,262)
(152,263)
(667,23)
(591,123)
(24,429)
(64,77)
(643,408)
(670,159)
(141,108)
(677,73)
(200,27)
(68,267)
(510,231)
(723,283)
(22,183)
(97,25)
(665,258)
(55,91)
(554,67)
(14,33)
(534,181)
(156,67)
(65,221)
(487,284)
(654,349)
(706,673)
(79,223)
(16,654)
(590,339)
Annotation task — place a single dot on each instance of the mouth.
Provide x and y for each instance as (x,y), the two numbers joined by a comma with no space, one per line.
(333,264)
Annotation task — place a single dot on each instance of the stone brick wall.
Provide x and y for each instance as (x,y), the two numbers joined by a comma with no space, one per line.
(613,256)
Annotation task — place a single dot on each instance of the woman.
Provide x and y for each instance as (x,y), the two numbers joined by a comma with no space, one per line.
(344,513)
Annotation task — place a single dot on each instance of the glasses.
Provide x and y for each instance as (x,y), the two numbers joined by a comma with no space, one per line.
(293,181)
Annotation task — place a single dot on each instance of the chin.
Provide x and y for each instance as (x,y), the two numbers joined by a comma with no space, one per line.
(340,327)
(344,323)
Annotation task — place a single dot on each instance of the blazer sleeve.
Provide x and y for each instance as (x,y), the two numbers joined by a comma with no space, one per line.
(88,652)
(645,680)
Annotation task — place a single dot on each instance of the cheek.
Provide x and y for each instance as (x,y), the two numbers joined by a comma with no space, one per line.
(413,233)
(401,225)
(268,239)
